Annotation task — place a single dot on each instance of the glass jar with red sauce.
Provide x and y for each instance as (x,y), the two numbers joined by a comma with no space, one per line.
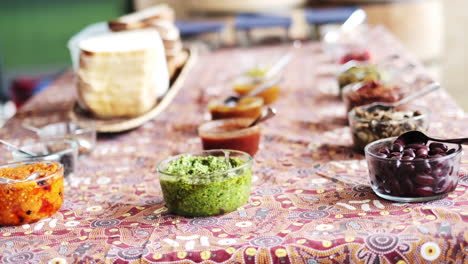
(30,191)
(231,133)
(369,92)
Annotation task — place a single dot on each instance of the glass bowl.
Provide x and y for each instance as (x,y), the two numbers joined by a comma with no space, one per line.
(63,151)
(369,92)
(245,84)
(84,135)
(246,107)
(355,72)
(29,197)
(206,194)
(230,134)
(369,127)
(416,180)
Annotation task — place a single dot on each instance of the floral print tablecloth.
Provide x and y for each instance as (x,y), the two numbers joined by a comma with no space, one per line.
(310,202)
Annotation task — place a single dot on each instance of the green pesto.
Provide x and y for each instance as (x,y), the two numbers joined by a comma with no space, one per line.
(199,187)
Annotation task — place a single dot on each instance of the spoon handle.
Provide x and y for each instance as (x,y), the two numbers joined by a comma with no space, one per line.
(31,128)
(266,114)
(460,141)
(427,89)
(265,86)
(18,149)
(279,65)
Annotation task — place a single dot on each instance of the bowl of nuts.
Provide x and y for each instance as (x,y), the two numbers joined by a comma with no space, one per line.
(412,172)
(369,124)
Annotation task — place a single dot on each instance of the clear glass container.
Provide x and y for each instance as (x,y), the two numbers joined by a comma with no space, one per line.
(231,133)
(355,72)
(415,180)
(246,107)
(368,127)
(250,81)
(84,135)
(63,151)
(30,191)
(369,92)
(207,194)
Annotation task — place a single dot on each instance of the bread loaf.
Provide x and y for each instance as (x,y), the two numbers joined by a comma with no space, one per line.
(121,74)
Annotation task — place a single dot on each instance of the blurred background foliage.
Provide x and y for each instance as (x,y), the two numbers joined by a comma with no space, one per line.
(33,32)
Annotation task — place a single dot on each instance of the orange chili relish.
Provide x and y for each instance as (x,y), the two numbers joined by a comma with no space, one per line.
(29,201)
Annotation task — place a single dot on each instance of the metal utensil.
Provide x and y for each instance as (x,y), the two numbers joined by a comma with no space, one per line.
(385,107)
(357,18)
(31,128)
(268,113)
(232,100)
(17,148)
(421,138)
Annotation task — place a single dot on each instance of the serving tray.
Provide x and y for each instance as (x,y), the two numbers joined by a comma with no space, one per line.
(81,116)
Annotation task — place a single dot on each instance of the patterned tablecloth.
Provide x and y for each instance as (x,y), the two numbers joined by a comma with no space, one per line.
(310,202)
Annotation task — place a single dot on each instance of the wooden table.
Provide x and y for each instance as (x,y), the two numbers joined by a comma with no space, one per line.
(310,201)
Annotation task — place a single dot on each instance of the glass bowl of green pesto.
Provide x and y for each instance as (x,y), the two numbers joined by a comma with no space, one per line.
(211,182)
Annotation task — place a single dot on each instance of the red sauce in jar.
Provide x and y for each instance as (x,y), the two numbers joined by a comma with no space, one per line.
(230,134)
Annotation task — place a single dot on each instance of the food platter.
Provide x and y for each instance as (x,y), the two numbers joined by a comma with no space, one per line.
(115,125)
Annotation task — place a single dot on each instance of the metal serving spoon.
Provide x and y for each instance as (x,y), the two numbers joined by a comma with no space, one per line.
(421,138)
(382,106)
(17,148)
(232,100)
(266,114)
(31,128)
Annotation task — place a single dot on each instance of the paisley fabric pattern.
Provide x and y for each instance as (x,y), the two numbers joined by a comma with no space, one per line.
(310,201)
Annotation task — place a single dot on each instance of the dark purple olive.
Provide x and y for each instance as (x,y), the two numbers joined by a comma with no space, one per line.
(438,173)
(395,187)
(435,156)
(407,168)
(421,153)
(401,142)
(396,148)
(422,179)
(424,147)
(435,151)
(380,154)
(424,191)
(444,186)
(384,150)
(409,152)
(414,146)
(393,154)
(450,151)
(407,158)
(407,187)
(435,145)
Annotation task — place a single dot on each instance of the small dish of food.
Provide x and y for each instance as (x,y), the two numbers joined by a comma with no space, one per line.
(84,135)
(413,172)
(30,191)
(63,151)
(246,107)
(362,55)
(369,92)
(354,72)
(252,80)
(207,183)
(369,125)
(233,133)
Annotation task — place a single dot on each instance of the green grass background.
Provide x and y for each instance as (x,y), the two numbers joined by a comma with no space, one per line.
(35,32)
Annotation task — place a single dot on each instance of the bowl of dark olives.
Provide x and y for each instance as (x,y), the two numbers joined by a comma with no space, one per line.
(413,172)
